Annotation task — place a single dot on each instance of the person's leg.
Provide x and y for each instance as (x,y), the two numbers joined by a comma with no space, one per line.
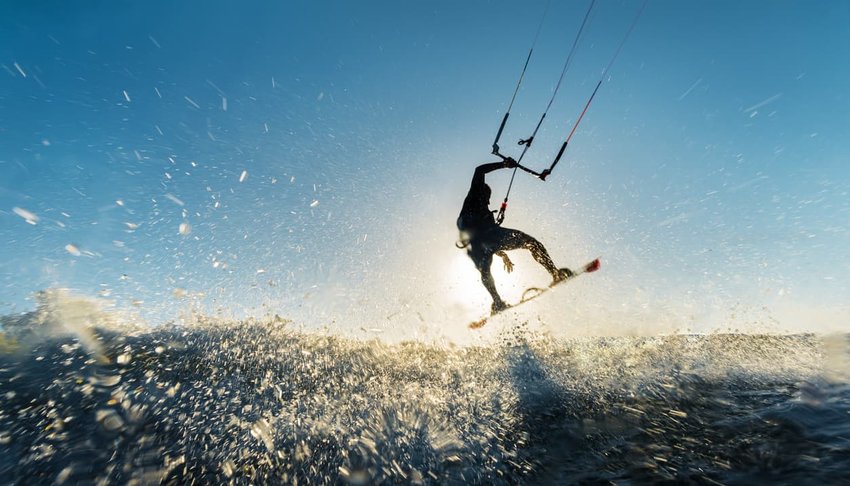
(511,239)
(483,259)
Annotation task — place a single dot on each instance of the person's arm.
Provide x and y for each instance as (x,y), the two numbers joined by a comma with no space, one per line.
(481,170)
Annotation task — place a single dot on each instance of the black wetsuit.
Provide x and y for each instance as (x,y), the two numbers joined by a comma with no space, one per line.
(484,237)
(475,214)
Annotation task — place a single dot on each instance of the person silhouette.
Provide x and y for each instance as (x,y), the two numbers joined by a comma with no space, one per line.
(483,237)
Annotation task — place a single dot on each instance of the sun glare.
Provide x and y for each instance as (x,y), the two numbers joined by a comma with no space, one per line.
(463,282)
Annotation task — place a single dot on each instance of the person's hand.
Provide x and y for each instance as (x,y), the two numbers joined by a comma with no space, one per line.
(509,265)
(510,163)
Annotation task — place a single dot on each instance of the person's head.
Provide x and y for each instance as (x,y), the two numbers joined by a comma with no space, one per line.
(487,192)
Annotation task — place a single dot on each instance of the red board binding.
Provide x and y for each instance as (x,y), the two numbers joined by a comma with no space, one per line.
(593,266)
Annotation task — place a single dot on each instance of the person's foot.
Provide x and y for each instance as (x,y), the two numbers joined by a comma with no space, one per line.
(563,274)
(498,307)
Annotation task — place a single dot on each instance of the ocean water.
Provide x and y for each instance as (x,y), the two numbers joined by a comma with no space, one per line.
(261,401)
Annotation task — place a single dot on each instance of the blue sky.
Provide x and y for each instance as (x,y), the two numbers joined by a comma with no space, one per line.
(711,169)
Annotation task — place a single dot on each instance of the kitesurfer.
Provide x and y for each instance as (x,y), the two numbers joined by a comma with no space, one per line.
(483,237)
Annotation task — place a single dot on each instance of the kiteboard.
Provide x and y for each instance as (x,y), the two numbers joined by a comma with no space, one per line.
(535,292)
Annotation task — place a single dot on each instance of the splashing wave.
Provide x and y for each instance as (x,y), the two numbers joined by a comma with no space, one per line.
(259,402)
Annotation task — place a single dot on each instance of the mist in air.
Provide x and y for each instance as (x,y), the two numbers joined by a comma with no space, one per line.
(312,165)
